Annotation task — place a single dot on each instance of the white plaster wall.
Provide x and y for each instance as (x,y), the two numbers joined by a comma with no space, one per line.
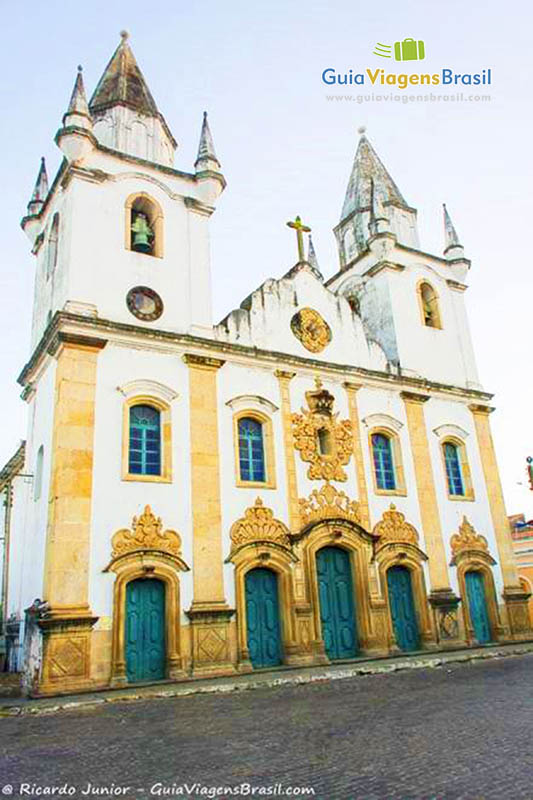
(96,271)
(124,129)
(233,381)
(444,412)
(440,355)
(267,324)
(115,501)
(29,521)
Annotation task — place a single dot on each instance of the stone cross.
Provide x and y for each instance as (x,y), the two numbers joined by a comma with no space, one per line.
(300,229)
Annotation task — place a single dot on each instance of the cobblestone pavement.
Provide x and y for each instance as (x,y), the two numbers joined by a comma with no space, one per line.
(461,731)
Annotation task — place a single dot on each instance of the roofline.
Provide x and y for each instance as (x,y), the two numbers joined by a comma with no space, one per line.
(13,466)
(53,335)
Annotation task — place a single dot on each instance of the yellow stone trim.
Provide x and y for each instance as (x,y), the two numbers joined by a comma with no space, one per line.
(434,303)
(364,510)
(467,541)
(146,534)
(258,525)
(268,449)
(66,570)
(208,581)
(284,379)
(466,475)
(326,504)
(397,462)
(427,498)
(166,439)
(495,495)
(156,222)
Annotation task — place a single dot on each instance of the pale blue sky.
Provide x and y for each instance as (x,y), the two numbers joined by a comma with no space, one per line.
(286,150)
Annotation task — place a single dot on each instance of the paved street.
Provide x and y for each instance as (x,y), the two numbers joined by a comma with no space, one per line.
(462,731)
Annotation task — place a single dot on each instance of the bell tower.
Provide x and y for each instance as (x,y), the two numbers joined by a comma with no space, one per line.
(122,235)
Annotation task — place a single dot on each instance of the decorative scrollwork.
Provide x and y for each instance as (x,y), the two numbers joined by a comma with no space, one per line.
(393,527)
(259,525)
(328,503)
(324,441)
(146,534)
(311,329)
(468,539)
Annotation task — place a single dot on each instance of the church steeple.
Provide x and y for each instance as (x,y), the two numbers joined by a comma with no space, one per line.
(451,239)
(206,158)
(369,184)
(40,191)
(312,259)
(78,111)
(125,114)
(123,83)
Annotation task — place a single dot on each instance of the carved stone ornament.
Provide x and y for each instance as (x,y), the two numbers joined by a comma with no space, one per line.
(320,421)
(259,525)
(146,534)
(393,528)
(311,329)
(328,503)
(468,539)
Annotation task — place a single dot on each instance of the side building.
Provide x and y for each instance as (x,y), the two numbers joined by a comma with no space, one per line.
(311,479)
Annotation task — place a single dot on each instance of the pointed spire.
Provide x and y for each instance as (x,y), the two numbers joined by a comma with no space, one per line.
(123,83)
(206,158)
(379,221)
(312,260)
(367,166)
(450,234)
(40,191)
(78,114)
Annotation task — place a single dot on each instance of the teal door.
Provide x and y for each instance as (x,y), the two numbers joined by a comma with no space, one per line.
(262,617)
(337,609)
(145,630)
(477,605)
(402,608)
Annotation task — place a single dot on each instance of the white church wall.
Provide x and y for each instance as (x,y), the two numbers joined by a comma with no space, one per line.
(30,523)
(238,381)
(116,501)
(448,412)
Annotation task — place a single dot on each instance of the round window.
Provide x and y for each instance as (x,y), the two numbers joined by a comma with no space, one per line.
(144,303)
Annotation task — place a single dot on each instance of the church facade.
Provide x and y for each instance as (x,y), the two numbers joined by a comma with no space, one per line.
(312,479)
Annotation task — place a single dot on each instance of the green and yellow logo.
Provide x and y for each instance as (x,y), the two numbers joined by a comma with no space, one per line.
(408,50)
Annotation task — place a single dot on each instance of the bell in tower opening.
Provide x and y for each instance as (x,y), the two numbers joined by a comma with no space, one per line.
(142,235)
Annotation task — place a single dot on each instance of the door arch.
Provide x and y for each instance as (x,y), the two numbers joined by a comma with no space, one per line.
(145,645)
(336,600)
(402,608)
(477,606)
(263,629)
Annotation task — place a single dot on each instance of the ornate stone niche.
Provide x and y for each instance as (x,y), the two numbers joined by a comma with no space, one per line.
(324,441)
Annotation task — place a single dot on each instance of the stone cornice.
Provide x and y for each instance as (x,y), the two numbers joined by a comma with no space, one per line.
(212,348)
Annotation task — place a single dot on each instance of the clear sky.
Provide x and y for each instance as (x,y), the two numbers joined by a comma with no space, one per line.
(286,150)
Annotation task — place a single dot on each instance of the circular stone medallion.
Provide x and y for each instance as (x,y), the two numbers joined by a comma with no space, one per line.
(144,303)
(311,329)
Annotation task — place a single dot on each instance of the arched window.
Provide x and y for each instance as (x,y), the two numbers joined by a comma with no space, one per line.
(454,473)
(325,445)
(144,225)
(429,305)
(251,450)
(144,440)
(53,243)
(383,462)
(38,477)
